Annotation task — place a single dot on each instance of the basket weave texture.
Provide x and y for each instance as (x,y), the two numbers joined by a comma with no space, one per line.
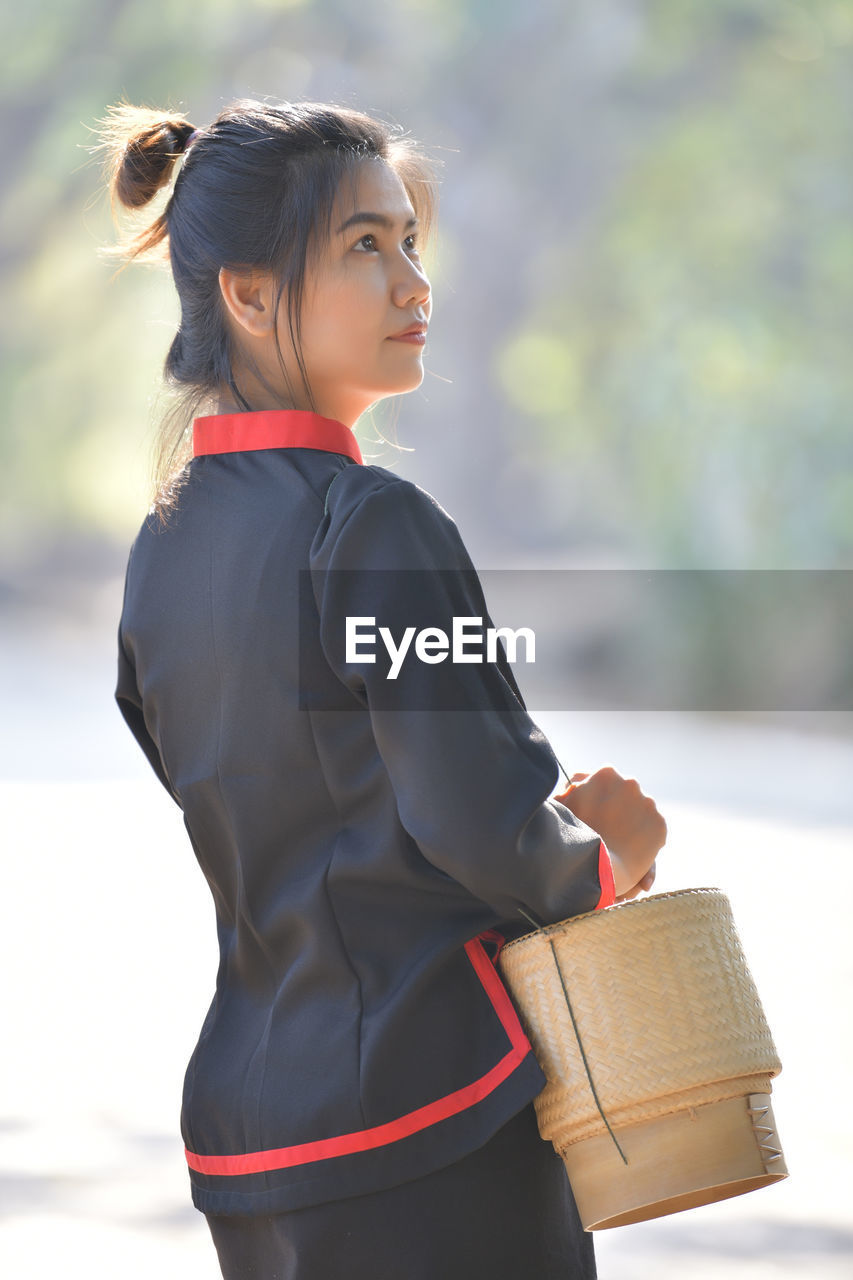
(664,1005)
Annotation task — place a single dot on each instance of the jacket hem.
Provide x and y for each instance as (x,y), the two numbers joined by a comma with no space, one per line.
(375,1170)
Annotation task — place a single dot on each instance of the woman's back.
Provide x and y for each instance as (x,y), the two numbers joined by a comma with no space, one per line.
(349,952)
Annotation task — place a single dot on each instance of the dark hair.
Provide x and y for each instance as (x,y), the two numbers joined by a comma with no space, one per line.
(255,189)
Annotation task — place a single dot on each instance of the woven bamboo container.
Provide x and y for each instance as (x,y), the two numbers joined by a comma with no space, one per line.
(647,1025)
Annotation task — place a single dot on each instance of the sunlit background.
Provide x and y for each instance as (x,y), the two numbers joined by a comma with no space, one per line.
(639,357)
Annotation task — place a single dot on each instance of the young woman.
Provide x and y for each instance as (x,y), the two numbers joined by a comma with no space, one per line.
(359,1102)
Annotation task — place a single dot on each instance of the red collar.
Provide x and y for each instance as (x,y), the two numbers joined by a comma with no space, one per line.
(273,429)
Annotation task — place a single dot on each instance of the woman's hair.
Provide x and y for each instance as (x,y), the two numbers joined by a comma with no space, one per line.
(255,189)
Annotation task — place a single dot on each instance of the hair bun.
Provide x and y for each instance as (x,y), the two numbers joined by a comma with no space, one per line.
(141,147)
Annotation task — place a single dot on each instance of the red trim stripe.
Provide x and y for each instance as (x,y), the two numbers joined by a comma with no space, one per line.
(403,1126)
(605,878)
(497,940)
(273,429)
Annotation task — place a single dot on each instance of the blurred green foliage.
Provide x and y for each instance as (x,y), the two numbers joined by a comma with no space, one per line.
(705,333)
(644,274)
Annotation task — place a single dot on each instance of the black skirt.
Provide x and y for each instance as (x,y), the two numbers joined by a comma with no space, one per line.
(505,1211)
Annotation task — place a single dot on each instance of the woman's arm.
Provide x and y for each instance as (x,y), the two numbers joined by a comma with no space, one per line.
(472,773)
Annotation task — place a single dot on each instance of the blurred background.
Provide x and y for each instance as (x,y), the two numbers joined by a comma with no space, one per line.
(639,358)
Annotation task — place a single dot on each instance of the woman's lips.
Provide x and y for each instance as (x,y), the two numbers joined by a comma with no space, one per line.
(415,336)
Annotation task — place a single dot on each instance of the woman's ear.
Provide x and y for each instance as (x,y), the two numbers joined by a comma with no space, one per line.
(249,297)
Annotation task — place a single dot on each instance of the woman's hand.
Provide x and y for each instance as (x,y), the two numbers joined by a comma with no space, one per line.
(627,821)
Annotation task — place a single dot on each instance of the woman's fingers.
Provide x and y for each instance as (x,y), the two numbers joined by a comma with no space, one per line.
(642,886)
(649,878)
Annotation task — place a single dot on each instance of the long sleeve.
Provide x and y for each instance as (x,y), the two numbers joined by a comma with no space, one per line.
(130,704)
(470,770)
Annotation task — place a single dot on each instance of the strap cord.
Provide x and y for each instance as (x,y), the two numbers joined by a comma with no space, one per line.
(583,1054)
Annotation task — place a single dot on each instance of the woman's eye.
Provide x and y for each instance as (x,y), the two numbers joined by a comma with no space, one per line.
(368,244)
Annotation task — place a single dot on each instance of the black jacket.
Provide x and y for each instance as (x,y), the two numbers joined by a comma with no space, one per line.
(367,842)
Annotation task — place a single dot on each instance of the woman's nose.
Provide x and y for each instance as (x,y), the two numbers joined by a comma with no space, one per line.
(412,287)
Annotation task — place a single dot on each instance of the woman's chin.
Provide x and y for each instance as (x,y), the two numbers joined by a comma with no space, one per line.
(411,381)
(399,385)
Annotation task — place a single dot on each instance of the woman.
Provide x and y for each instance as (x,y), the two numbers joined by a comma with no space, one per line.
(359,1102)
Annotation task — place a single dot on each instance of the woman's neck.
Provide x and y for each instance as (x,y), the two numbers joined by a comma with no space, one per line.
(249,396)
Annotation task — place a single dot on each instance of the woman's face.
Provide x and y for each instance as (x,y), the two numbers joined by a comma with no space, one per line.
(366,288)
